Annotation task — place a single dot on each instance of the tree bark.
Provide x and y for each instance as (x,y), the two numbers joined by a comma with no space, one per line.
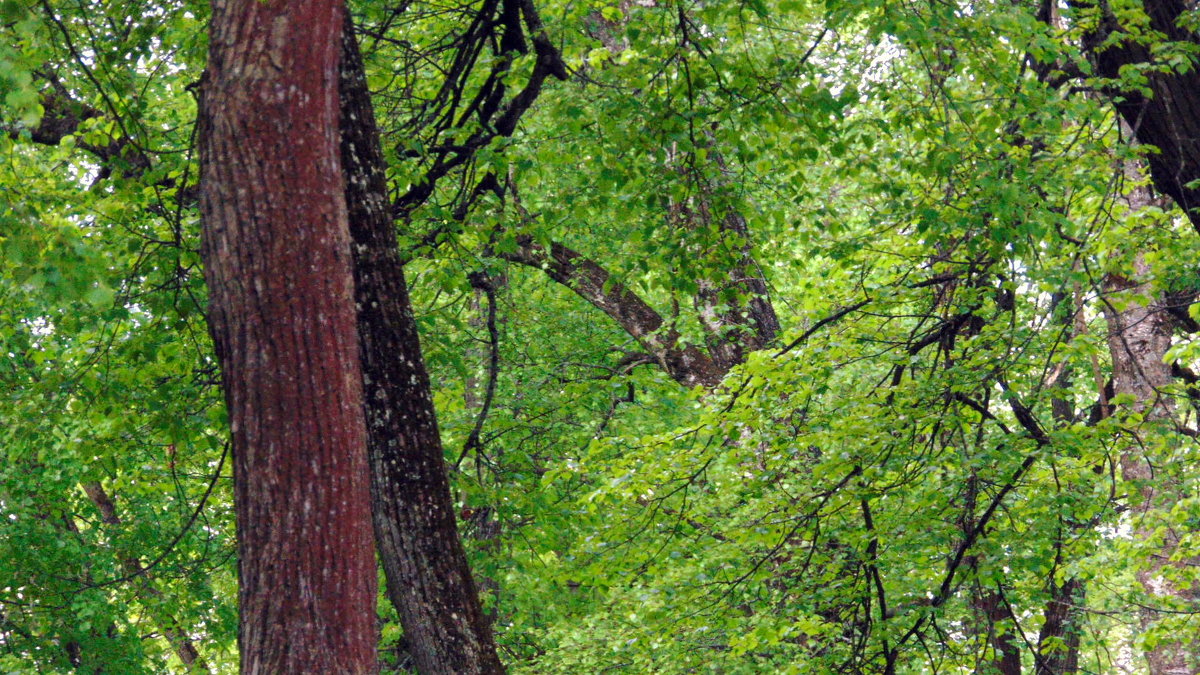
(1140,332)
(277,255)
(1058,641)
(1062,618)
(1005,656)
(1166,113)
(428,579)
(746,322)
(686,364)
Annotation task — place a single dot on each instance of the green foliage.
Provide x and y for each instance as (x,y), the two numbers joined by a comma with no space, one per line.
(937,216)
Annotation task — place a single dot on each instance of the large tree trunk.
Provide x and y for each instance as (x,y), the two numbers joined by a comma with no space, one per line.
(428,579)
(277,256)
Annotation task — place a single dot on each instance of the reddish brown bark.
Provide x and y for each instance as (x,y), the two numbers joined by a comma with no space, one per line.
(995,614)
(428,579)
(1058,641)
(277,257)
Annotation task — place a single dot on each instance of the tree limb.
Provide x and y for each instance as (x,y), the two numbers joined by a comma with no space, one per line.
(686,364)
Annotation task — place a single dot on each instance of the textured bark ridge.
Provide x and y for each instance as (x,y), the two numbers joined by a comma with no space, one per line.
(428,579)
(277,258)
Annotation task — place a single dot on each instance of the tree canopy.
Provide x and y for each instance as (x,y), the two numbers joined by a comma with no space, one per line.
(763,336)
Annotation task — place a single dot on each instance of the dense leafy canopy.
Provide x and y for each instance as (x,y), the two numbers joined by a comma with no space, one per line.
(923,465)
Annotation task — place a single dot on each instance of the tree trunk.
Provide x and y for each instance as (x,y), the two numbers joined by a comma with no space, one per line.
(428,579)
(1140,331)
(1165,111)
(277,256)
(1062,618)
(1058,641)
(171,629)
(992,615)
(734,326)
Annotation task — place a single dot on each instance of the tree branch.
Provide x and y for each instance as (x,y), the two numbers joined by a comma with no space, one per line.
(686,364)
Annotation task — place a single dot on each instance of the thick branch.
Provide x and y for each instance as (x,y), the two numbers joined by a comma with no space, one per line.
(62,116)
(686,364)
(497,121)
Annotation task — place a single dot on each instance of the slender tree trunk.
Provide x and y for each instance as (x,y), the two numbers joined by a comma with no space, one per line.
(481,523)
(171,629)
(428,579)
(277,256)
(749,321)
(991,612)
(1006,656)
(91,660)
(1058,641)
